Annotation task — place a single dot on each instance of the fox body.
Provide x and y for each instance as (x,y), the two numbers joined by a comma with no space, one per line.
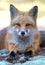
(22,34)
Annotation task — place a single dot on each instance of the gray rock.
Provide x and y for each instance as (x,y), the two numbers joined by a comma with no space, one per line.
(37,60)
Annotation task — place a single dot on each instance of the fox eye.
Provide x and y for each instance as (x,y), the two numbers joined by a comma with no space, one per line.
(17,24)
(29,25)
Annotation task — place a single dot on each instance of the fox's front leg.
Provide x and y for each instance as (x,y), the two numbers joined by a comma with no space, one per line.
(29,52)
(13,50)
(10,45)
(33,49)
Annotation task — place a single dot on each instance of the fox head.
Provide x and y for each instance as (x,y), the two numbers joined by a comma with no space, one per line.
(23,23)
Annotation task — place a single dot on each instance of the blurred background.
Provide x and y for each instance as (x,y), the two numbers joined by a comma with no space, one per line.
(22,5)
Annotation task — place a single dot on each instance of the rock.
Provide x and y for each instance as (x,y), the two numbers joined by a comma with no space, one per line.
(5,63)
(36,60)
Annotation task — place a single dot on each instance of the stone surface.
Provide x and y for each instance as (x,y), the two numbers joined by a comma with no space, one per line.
(36,60)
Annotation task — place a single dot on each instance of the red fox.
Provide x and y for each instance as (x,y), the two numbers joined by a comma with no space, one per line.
(22,34)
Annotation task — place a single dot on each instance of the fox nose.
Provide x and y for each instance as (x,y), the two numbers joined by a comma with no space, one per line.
(22,33)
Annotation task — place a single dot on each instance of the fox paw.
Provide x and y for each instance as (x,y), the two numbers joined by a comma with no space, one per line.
(12,55)
(28,54)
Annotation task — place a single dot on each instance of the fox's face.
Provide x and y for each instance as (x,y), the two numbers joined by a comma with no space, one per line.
(23,23)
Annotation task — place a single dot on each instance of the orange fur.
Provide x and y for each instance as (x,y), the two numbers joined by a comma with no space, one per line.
(12,47)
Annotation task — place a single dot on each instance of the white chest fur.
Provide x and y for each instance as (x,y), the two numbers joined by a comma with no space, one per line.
(22,43)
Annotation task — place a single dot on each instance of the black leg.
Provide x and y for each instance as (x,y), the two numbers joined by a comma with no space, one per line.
(12,55)
(28,53)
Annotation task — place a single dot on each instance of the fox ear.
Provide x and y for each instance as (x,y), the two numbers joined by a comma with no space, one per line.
(33,12)
(13,11)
